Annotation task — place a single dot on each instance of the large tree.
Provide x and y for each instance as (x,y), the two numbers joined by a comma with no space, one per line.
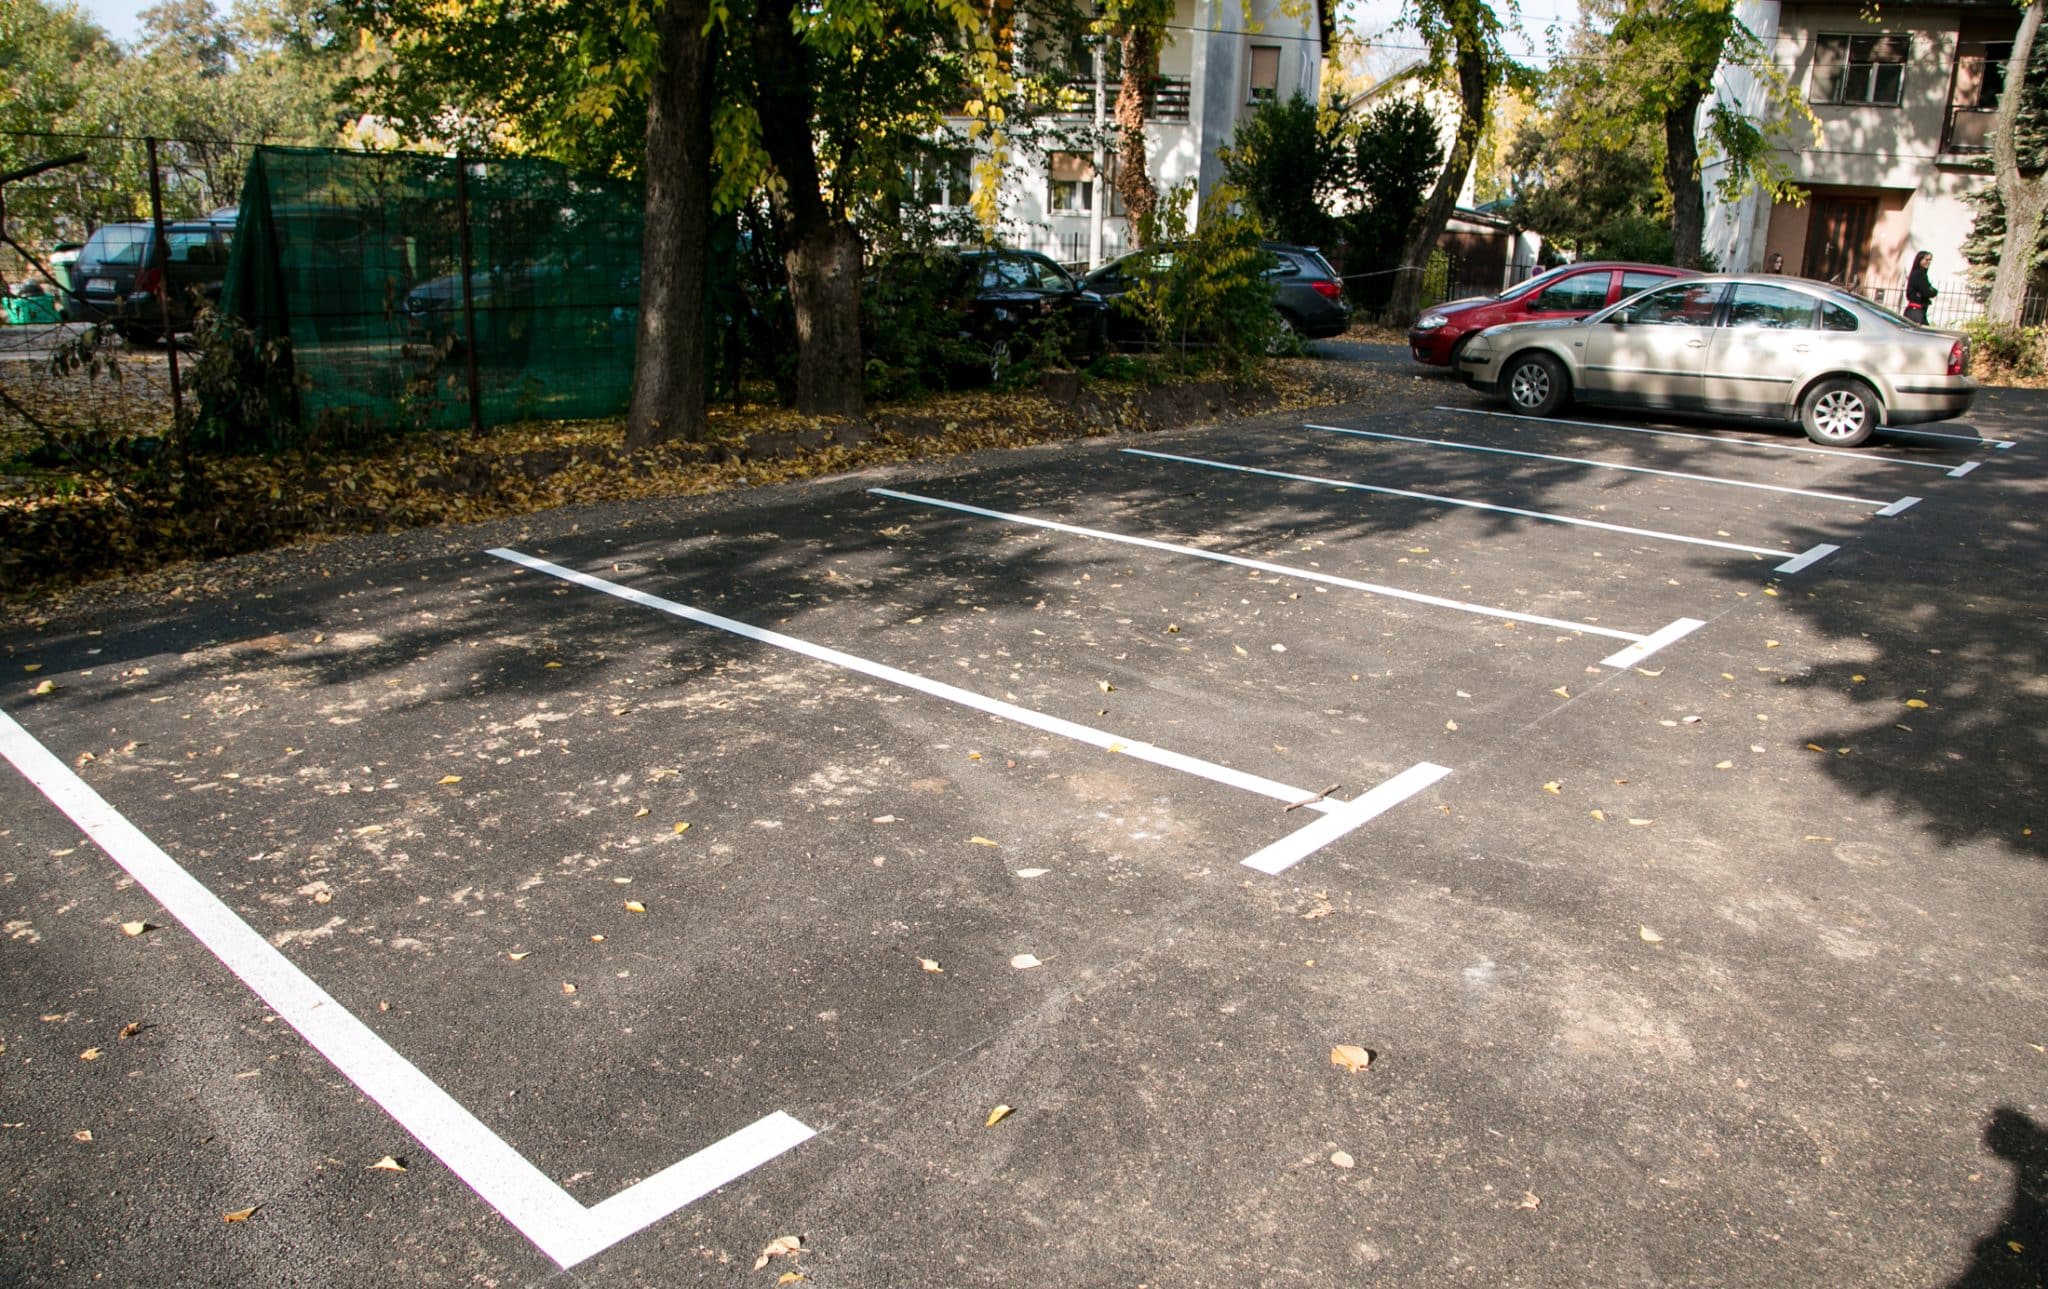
(1139,28)
(2016,149)
(1464,42)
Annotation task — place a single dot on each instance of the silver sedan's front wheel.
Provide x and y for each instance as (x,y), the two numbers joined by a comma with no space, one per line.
(1535,384)
(1840,412)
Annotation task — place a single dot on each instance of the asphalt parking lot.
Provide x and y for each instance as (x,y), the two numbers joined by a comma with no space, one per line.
(1404,844)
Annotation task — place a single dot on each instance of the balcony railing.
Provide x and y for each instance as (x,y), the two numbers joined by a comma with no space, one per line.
(1168,98)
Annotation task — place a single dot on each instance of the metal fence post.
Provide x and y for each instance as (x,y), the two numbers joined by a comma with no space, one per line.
(162,246)
(476,408)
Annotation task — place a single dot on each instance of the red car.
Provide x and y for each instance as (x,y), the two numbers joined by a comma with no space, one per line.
(1567,291)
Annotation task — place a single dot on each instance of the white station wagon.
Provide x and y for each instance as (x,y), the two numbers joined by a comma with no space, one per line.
(1772,347)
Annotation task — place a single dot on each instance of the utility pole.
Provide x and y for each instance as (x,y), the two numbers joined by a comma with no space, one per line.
(1098,197)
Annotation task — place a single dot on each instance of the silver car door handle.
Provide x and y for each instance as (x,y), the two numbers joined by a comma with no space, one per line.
(1695,344)
(1800,349)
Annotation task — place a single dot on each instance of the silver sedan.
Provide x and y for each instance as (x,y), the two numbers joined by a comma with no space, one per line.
(1770,347)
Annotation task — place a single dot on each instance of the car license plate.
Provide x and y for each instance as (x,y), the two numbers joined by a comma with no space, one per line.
(104,285)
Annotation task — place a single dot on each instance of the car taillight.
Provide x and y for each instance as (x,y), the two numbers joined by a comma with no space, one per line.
(1958,358)
(1329,290)
(149,281)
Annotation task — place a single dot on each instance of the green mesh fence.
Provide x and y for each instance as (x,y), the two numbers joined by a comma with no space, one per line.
(360,259)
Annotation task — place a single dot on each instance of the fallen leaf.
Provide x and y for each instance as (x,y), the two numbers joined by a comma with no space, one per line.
(786,1246)
(1105,687)
(1529,1200)
(517,956)
(1451,726)
(996,1116)
(386,1165)
(240,1214)
(1351,1056)
(83,1134)
(47,687)
(89,1054)
(1641,823)
(1724,765)
(553,665)
(642,813)
(1649,936)
(1770,644)
(597,939)
(1858,679)
(682,828)
(883,819)
(790,1277)
(980,841)
(131,1029)
(1916,702)
(1025,962)
(369,829)
(1343,1160)
(568,988)
(449,778)
(974,756)
(931,965)
(1647,672)
(32,667)
(137,928)
(1553,789)
(1601,815)
(1240,651)
(1815,747)
(1562,692)
(635,906)
(1031,872)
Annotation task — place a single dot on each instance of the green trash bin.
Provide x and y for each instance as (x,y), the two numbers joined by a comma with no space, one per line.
(23,309)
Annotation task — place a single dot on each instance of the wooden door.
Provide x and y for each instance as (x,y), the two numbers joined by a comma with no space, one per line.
(1838,239)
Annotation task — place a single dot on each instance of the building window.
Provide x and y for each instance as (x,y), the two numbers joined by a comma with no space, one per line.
(1073,183)
(1860,69)
(1265,73)
(942,180)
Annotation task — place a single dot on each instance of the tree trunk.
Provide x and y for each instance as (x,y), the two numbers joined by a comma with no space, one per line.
(2025,198)
(1473,96)
(824,291)
(1133,180)
(1681,176)
(668,358)
(824,248)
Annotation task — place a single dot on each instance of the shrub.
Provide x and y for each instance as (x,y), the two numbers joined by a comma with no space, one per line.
(1208,303)
(2004,348)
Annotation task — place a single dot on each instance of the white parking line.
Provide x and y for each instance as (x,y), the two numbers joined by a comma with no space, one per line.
(1089,735)
(1723,440)
(1310,575)
(546,1214)
(1793,561)
(1292,849)
(1611,465)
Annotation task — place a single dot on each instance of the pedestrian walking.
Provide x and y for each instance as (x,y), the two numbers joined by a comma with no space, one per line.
(1919,291)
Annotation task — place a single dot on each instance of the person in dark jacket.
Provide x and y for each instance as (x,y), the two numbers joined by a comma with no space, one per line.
(1919,291)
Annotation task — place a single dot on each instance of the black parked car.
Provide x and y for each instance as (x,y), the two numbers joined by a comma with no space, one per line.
(117,278)
(1012,302)
(1307,293)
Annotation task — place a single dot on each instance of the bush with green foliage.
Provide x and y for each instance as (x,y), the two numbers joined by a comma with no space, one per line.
(2007,348)
(1208,304)
(1288,159)
(1395,158)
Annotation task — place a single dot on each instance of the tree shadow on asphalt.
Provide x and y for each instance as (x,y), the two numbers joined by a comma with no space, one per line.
(2016,1253)
(1964,768)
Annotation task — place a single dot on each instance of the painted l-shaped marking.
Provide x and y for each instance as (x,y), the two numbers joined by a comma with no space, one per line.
(529,1199)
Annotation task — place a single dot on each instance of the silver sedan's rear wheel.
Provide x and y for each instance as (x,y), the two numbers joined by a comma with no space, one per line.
(1535,384)
(1841,412)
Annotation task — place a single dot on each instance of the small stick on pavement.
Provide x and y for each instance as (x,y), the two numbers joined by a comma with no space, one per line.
(1309,801)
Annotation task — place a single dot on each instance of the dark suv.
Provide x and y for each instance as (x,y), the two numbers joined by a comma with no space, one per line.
(117,278)
(1307,293)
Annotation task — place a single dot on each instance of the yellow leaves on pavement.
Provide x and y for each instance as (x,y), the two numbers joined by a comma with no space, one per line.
(1025,962)
(241,1214)
(32,667)
(996,1116)
(1351,1057)
(449,778)
(681,828)
(1562,692)
(931,965)
(1599,816)
(89,1054)
(1916,702)
(388,1164)
(1553,789)
(981,841)
(785,1246)
(635,906)
(46,687)
(1649,936)
(1105,687)
(521,954)
(568,988)
(137,928)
